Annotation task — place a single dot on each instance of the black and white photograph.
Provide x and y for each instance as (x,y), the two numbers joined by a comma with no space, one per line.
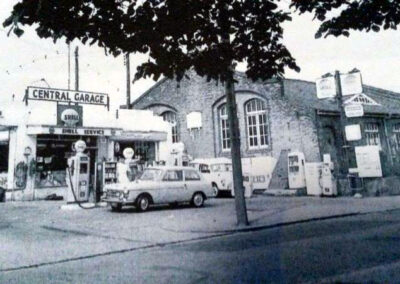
(199,141)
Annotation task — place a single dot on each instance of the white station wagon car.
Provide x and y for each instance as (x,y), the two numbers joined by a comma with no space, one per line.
(160,185)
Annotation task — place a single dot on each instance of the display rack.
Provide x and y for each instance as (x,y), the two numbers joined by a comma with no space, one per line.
(109,172)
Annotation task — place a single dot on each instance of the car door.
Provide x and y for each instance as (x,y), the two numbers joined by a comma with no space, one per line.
(171,186)
(193,183)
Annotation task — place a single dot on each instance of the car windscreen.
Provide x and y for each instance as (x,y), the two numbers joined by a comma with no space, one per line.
(150,174)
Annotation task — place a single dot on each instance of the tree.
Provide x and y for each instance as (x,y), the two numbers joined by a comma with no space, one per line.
(209,36)
(340,16)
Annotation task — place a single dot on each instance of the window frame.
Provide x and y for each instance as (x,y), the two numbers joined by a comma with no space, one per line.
(172,180)
(171,117)
(223,122)
(256,119)
(372,133)
(192,179)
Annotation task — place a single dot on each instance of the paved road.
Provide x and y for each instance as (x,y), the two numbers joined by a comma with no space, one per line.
(356,249)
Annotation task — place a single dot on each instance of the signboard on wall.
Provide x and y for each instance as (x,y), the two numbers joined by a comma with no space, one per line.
(353,132)
(368,161)
(351,83)
(194,120)
(35,130)
(354,110)
(66,96)
(69,115)
(326,87)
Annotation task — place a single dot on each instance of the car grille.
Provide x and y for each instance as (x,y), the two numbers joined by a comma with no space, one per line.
(113,193)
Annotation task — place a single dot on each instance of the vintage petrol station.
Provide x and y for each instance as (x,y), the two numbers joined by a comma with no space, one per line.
(38,136)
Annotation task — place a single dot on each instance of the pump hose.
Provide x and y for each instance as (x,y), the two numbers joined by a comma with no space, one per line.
(73,193)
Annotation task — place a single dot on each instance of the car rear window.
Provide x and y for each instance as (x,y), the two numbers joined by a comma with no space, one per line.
(150,174)
(173,175)
(191,175)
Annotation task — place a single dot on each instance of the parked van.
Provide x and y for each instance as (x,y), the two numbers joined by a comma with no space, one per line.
(216,171)
(259,170)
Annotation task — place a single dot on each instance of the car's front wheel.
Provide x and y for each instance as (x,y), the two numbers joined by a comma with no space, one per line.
(143,203)
(215,190)
(116,207)
(198,199)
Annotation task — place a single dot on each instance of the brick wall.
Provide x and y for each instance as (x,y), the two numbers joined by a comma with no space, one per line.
(291,126)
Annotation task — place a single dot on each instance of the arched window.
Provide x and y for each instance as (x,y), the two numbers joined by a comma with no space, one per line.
(224,129)
(170,117)
(257,124)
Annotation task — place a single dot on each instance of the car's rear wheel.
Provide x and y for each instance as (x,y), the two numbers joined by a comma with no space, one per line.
(198,199)
(143,203)
(116,207)
(215,190)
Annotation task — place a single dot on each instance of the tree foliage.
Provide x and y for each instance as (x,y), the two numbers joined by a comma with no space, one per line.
(339,17)
(177,35)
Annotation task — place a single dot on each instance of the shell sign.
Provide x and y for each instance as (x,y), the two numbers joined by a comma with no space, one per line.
(70,117)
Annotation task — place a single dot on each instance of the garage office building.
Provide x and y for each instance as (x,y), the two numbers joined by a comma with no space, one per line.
(37,138)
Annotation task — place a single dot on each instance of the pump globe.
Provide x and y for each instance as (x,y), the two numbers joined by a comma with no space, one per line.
(80,146)
(128,153)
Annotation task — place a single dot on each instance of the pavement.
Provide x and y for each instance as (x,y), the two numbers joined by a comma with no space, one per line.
(39,233)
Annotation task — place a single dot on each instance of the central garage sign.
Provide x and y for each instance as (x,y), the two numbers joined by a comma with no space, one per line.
(66,96)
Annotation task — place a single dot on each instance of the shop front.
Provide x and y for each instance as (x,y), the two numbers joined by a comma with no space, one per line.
(36,150)
(4,154)
(145,145)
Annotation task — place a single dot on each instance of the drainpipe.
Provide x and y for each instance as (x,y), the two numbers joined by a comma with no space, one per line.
(387,140)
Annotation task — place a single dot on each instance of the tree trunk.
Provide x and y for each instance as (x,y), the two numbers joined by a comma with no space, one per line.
(240,203)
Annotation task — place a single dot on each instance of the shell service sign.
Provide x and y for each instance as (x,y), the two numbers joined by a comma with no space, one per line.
(69,115)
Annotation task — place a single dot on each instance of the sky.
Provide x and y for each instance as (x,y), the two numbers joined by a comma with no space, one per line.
(27,60)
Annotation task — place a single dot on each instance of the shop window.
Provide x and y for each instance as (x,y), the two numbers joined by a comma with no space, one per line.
(371,131)
(52,153)
(3,157)
(224,129)
(144,150)
(170,117)
(257,124)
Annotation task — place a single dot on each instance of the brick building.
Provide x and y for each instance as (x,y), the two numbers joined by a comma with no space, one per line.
(275,116)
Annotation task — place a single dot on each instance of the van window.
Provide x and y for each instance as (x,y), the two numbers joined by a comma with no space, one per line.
(204,168)
(221,168)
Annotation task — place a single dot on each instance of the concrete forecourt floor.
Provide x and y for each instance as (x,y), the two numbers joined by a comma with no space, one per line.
(39,233)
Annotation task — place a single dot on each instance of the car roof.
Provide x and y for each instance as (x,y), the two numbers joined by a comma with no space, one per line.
(172,168)
(210,161)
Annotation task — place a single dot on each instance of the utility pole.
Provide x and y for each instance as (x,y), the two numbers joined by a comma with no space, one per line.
(69,66)
(77,68)
(339,97)
(128,81)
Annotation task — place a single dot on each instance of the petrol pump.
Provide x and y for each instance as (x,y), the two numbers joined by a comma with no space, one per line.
(132,167)
(78,173)
(296,174)
(320,180)
(328,181)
